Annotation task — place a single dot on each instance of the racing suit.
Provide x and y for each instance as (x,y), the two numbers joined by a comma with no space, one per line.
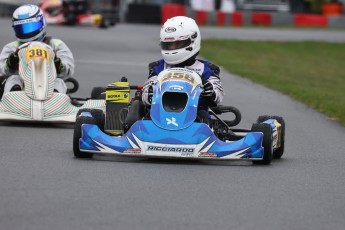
(61,50)
(207,71)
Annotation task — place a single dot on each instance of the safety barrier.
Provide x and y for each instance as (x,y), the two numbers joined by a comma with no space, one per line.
(219,18)
(172,10)
(310,20)
(242,18)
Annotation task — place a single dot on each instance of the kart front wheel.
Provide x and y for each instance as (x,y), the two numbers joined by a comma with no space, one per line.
(98,116)
(267,142)
(278,153)
(77,135)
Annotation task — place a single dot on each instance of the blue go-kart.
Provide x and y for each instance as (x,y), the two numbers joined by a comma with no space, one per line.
(173,127)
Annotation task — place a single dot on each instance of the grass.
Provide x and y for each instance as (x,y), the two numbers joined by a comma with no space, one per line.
(311,72)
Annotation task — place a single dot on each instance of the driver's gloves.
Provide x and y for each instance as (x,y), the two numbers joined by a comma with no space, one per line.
(150,94)
(208,91)
(58,65)
(13,61)
(148,90)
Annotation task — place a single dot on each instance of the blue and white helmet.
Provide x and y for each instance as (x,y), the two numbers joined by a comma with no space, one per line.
(29,23)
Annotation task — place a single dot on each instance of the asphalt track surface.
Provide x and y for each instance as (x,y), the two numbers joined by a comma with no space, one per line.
(42,186)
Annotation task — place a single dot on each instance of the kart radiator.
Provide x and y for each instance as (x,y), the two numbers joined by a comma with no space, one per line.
(117,100)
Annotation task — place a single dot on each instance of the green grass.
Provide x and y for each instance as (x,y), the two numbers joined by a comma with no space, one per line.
(311,72)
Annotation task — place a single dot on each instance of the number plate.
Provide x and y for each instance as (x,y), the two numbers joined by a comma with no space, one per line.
(37,52)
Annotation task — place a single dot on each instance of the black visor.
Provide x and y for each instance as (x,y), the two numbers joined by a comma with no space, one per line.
(175,45)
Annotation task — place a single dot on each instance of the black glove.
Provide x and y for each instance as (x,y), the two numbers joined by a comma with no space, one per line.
(150,94)
(13,61)
(58,65)
(208,90)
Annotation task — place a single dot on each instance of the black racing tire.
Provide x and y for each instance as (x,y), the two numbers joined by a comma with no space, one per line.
(96,93)
(97,115)
(220,109)
(105,23)
(77,135)
(266,142)
(74,83)
(237,114)
(278,153)
(2,86)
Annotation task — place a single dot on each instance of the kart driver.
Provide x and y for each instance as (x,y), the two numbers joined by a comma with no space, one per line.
(180,44)
(29,24)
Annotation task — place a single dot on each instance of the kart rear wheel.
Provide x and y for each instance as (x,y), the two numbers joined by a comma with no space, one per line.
(220,109)
(77,135)
(97,115)
(75,84)
(96,93)
(266,142)
(278,153)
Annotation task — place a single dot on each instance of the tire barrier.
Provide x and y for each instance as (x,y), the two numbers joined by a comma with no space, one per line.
(172,10)
(144,13)
(310,20)
(262,19)
(237,19)
(242,18)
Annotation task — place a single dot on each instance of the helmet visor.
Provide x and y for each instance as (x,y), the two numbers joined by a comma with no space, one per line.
(175,45)
(25,27)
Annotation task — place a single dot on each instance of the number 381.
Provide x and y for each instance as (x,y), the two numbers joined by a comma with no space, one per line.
(36,53)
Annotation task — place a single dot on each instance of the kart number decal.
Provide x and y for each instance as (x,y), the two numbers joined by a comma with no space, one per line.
(180,76)
(36,52)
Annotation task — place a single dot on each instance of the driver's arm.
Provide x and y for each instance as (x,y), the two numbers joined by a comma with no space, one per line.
(64,53)
(6,51)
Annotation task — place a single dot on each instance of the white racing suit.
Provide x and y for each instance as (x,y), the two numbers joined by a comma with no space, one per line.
(61,50)
(207,71)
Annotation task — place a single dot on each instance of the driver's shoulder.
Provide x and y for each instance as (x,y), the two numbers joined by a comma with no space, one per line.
(156,67)
(210,67)
(156,63)
(209,64)
(53,41)
(13,44)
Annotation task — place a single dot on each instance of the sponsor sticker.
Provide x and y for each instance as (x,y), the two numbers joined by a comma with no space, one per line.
(169,39)
(136,150)
(118,96)
(176,87)
(207,154)
(171,121)
(182,150)
(170,29)
(23,21)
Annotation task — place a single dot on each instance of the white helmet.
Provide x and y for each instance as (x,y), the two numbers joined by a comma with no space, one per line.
(29,23)
(180,39)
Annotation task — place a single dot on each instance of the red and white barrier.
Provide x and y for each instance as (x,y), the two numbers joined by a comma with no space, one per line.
(239,18)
